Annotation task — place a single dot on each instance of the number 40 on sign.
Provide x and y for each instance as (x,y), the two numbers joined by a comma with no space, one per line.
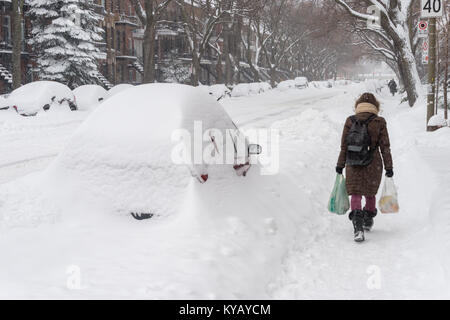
(432,8)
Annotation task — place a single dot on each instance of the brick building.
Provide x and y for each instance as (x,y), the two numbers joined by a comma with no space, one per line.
(123,48)
(124,43)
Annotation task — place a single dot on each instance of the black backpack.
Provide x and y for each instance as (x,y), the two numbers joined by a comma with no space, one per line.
(359,151)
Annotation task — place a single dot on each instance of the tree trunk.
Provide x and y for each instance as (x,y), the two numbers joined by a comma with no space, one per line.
(195,75)
(249,54)
(228,62)
(237,50)
(219,70)
(149,43)
(149,52)
(17,7)
(273,72)
(408,69)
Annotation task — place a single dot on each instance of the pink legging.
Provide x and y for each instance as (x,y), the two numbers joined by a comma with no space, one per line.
(370,203)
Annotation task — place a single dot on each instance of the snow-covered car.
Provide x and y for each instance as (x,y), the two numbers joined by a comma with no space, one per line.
(218,91)
(255,88)
(241,90)
(117,89)
(38,96)
(89,96)
(301,82)
(265,86)
(286,85)
(139,150)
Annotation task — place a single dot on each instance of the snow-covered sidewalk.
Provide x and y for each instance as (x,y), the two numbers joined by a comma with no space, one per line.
(406,255)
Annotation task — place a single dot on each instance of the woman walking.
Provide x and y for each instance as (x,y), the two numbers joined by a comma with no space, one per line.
(365,135)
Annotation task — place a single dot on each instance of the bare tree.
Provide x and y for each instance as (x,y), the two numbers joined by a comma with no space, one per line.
(149,15)
(206,21)
(395,30)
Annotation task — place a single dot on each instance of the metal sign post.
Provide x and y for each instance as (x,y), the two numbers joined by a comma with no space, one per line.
(431,9)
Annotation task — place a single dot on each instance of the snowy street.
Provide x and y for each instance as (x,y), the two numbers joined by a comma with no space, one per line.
(267,237)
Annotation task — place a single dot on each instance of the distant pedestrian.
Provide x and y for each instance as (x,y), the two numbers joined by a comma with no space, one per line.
(393,87)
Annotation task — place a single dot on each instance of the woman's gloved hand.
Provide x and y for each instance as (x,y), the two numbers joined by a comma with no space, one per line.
(389,173)
(339,170)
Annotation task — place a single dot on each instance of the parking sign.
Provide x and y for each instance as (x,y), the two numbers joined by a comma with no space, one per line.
(422,29)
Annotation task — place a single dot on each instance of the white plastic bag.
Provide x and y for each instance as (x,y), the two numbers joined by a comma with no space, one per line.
(389,200)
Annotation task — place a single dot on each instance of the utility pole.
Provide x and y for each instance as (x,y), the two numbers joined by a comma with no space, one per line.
(438,69)
(431,70)
(447,30)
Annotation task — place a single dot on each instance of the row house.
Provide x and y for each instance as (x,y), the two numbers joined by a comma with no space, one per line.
(123,43)
(122,46)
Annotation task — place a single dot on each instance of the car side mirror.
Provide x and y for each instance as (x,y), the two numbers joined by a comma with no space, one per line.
(254,149)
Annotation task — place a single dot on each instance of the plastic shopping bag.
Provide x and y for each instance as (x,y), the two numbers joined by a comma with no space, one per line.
(339,202)
(389,200)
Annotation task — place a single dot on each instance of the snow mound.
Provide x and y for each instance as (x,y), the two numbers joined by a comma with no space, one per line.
(321,84)
(286,85)
(437,121)
(301,82)
(32,97)
(118,88)
(89,96)
(265,86)
(374,85)
(218,91)
(241,90)
(120,159)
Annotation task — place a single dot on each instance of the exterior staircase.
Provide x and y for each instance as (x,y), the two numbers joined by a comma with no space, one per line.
(138,66)
(5,75)
(101,79)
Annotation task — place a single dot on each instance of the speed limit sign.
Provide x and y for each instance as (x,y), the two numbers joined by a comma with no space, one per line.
(432,8)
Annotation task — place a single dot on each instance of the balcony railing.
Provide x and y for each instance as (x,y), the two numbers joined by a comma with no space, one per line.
(123,18)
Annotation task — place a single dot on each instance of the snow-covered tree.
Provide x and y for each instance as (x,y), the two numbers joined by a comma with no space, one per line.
(64,37)
(393,38)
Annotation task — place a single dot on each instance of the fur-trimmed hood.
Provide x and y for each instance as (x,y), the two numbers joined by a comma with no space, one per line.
(366,107)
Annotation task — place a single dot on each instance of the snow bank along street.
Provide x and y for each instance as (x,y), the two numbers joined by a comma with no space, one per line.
(233,237)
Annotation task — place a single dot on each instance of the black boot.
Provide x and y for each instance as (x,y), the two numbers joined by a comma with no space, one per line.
(368,219)
(357,217)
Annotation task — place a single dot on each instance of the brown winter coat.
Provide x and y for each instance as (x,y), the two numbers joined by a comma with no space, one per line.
(366,180)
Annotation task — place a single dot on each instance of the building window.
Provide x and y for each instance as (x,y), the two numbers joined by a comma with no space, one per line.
(118,41)
(7,29)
